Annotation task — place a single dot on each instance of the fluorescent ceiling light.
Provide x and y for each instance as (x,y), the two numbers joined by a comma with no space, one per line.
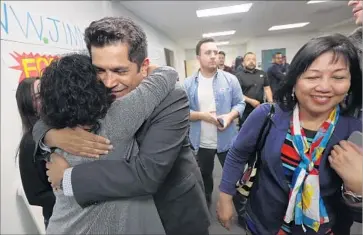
(216,34)
(224,10)
(222,43)
(312,2)
(288,26)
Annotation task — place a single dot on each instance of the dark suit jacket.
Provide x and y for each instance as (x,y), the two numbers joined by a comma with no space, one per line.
(276,76)
(164,167)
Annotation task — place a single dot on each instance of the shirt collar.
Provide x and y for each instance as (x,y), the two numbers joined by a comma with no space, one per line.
(250,71)
(196,75)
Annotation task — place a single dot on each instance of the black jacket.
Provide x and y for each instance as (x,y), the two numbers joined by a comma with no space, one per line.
(35,182)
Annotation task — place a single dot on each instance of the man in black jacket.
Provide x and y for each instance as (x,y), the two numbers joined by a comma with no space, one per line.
(276,73)
(164,167)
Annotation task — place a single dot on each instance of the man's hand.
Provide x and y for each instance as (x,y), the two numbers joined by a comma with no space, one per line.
(210,117)
(346,159)
(56,168)
(78,142)
(254,103)
(227,120)
(225,210)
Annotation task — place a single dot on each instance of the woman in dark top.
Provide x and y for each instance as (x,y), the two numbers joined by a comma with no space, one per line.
(35,182)
(297,190)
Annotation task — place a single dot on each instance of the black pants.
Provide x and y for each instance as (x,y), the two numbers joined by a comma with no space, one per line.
(205,159)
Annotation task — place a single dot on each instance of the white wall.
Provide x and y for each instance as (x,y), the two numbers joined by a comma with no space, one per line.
(231,52)
(47,28)
(157,41)
(292,42)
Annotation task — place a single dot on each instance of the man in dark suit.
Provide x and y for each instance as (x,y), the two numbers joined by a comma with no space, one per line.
(164,166)
(276,73)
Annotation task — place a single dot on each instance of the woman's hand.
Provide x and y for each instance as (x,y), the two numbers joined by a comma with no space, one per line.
(225,210)
(347,159)
(78,142)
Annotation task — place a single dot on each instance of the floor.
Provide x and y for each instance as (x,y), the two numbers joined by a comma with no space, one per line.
(216,228)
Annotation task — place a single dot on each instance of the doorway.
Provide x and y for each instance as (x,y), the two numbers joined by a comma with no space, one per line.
(169,57)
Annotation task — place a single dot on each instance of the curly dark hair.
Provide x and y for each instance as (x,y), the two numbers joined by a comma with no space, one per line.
(71,94)
(111,30)
(340,46)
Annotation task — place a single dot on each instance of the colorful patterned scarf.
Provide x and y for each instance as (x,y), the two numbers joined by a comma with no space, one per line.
(306,207)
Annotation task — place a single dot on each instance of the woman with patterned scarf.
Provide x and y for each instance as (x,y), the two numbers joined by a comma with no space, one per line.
(296,190)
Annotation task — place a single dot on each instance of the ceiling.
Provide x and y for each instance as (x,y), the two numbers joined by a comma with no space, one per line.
(178,20)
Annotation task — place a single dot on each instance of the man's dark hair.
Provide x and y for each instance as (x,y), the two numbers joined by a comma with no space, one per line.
(201,42)
(277,53)
(71,94)
(248,53)
(222,53)
(112,30)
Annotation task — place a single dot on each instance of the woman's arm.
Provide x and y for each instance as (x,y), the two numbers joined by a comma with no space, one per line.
(237,157)
(241,150)
(346,159)
(128,113)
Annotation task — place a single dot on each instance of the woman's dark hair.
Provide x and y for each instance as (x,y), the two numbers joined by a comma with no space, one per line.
(25,99)
(71,94)
(340,46)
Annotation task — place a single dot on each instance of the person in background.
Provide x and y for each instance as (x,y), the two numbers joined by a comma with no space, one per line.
(164,167)
(275,73)
(221,61)
(215,99)
(233,65)
(297,190)
(37,189)
(254,84)
(238,64)
(285,65)
(356,36)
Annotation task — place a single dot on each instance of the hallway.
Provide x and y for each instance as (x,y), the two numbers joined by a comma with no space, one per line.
(216,228)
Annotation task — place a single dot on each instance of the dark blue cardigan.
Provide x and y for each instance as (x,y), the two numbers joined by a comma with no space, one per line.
(269,197)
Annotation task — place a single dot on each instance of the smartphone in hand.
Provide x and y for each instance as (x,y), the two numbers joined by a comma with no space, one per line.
(220,121)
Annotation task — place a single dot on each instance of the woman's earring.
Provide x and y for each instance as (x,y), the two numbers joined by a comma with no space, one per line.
(293,94)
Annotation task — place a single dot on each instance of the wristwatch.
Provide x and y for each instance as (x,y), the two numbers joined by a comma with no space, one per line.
(350,196)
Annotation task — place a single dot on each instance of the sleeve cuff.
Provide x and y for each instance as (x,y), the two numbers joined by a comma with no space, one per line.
(44,147)
(228,189)
(67,182)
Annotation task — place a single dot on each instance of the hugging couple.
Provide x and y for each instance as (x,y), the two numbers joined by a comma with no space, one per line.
(114,131)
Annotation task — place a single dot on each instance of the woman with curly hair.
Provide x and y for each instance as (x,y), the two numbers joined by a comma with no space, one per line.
(72,96)
(34,180)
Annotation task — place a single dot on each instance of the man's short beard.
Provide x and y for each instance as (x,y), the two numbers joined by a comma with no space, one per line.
(249,68)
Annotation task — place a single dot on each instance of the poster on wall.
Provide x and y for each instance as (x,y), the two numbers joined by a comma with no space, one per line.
(31,41)
(31,64)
